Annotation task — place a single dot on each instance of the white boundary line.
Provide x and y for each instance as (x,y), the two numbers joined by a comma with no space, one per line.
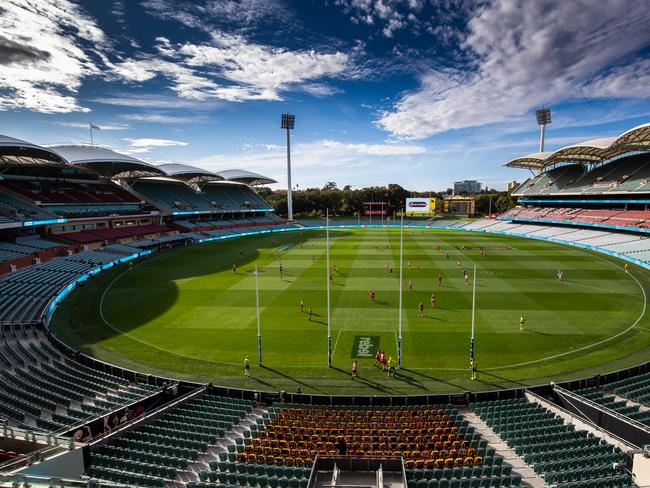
(336,343)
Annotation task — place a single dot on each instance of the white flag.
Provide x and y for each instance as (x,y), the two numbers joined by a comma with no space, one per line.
(95,127)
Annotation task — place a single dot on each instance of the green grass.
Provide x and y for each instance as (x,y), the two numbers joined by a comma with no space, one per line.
(185,314)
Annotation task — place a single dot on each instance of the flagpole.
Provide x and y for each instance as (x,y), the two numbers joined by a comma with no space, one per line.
(401,255)
(471,344)
(90,126)
(257,308)
(327,259)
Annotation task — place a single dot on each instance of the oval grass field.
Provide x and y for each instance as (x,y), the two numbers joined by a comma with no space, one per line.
(186,314)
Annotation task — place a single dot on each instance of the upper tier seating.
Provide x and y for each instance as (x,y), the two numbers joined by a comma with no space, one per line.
(172,195)
(19,210)
(69,192)
(42,390)
(551,181)
(155,452)
(233,197)
(563,455)
(179,197)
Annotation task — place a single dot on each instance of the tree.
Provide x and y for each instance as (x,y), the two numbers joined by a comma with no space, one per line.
(330,185)
(505,202)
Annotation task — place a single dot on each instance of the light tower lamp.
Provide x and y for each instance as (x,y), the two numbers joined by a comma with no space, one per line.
(288,122)
(543,117)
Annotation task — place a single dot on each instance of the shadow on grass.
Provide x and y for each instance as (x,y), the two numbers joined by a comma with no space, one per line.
(431,378)
(291,378)
(499,385)
(359,379)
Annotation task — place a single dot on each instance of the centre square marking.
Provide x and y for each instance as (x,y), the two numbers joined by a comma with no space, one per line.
(364,346)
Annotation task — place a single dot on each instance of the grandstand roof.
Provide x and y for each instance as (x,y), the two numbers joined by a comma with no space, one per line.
(637,138)
(592,151)
(106,162)
(247,177)
(17,152)
(530,161)
(188,173)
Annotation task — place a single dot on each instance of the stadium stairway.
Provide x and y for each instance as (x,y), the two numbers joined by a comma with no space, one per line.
(564,453)
(226,445)
(519,466)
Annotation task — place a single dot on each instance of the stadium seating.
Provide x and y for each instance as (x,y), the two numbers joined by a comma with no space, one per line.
(175,196)
(438,446)
(636,388)
(621,407)
(563,455)
(42,390)
(155,452)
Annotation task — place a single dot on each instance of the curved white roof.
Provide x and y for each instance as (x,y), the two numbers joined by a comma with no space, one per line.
(185,171)
(247,177)
(591,151)
(18,147)
(533,161)
(106,161)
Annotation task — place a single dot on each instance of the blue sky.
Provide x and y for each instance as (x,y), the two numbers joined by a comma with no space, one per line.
(415,92)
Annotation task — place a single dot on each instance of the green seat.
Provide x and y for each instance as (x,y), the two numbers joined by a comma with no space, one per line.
(251,468)
(294,483)
(283,482)
(418,474)
(422,483)
(304,482)
(273,481)
(262,480)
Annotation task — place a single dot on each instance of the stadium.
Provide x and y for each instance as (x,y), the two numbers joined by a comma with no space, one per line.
(168,324)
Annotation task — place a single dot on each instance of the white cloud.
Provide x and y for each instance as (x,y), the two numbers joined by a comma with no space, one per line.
(52,45)
(85,125)
(247,71)
(528,54)
(144,145)
(376,149)
(162,118)
(315,162)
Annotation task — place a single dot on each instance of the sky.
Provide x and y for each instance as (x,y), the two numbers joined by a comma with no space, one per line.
(416,92)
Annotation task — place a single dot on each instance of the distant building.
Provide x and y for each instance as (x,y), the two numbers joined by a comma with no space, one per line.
(467,187)
(512,185)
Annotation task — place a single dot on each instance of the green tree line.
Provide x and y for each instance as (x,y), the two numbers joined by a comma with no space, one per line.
(348,201)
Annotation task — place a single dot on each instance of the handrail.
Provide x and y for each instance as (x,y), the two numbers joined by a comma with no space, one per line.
(598,406)
(584,419)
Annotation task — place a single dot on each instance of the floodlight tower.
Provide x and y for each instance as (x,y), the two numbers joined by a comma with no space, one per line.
(543,117)
(288,122)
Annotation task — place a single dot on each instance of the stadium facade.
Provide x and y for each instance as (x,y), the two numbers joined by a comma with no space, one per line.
(69,212)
